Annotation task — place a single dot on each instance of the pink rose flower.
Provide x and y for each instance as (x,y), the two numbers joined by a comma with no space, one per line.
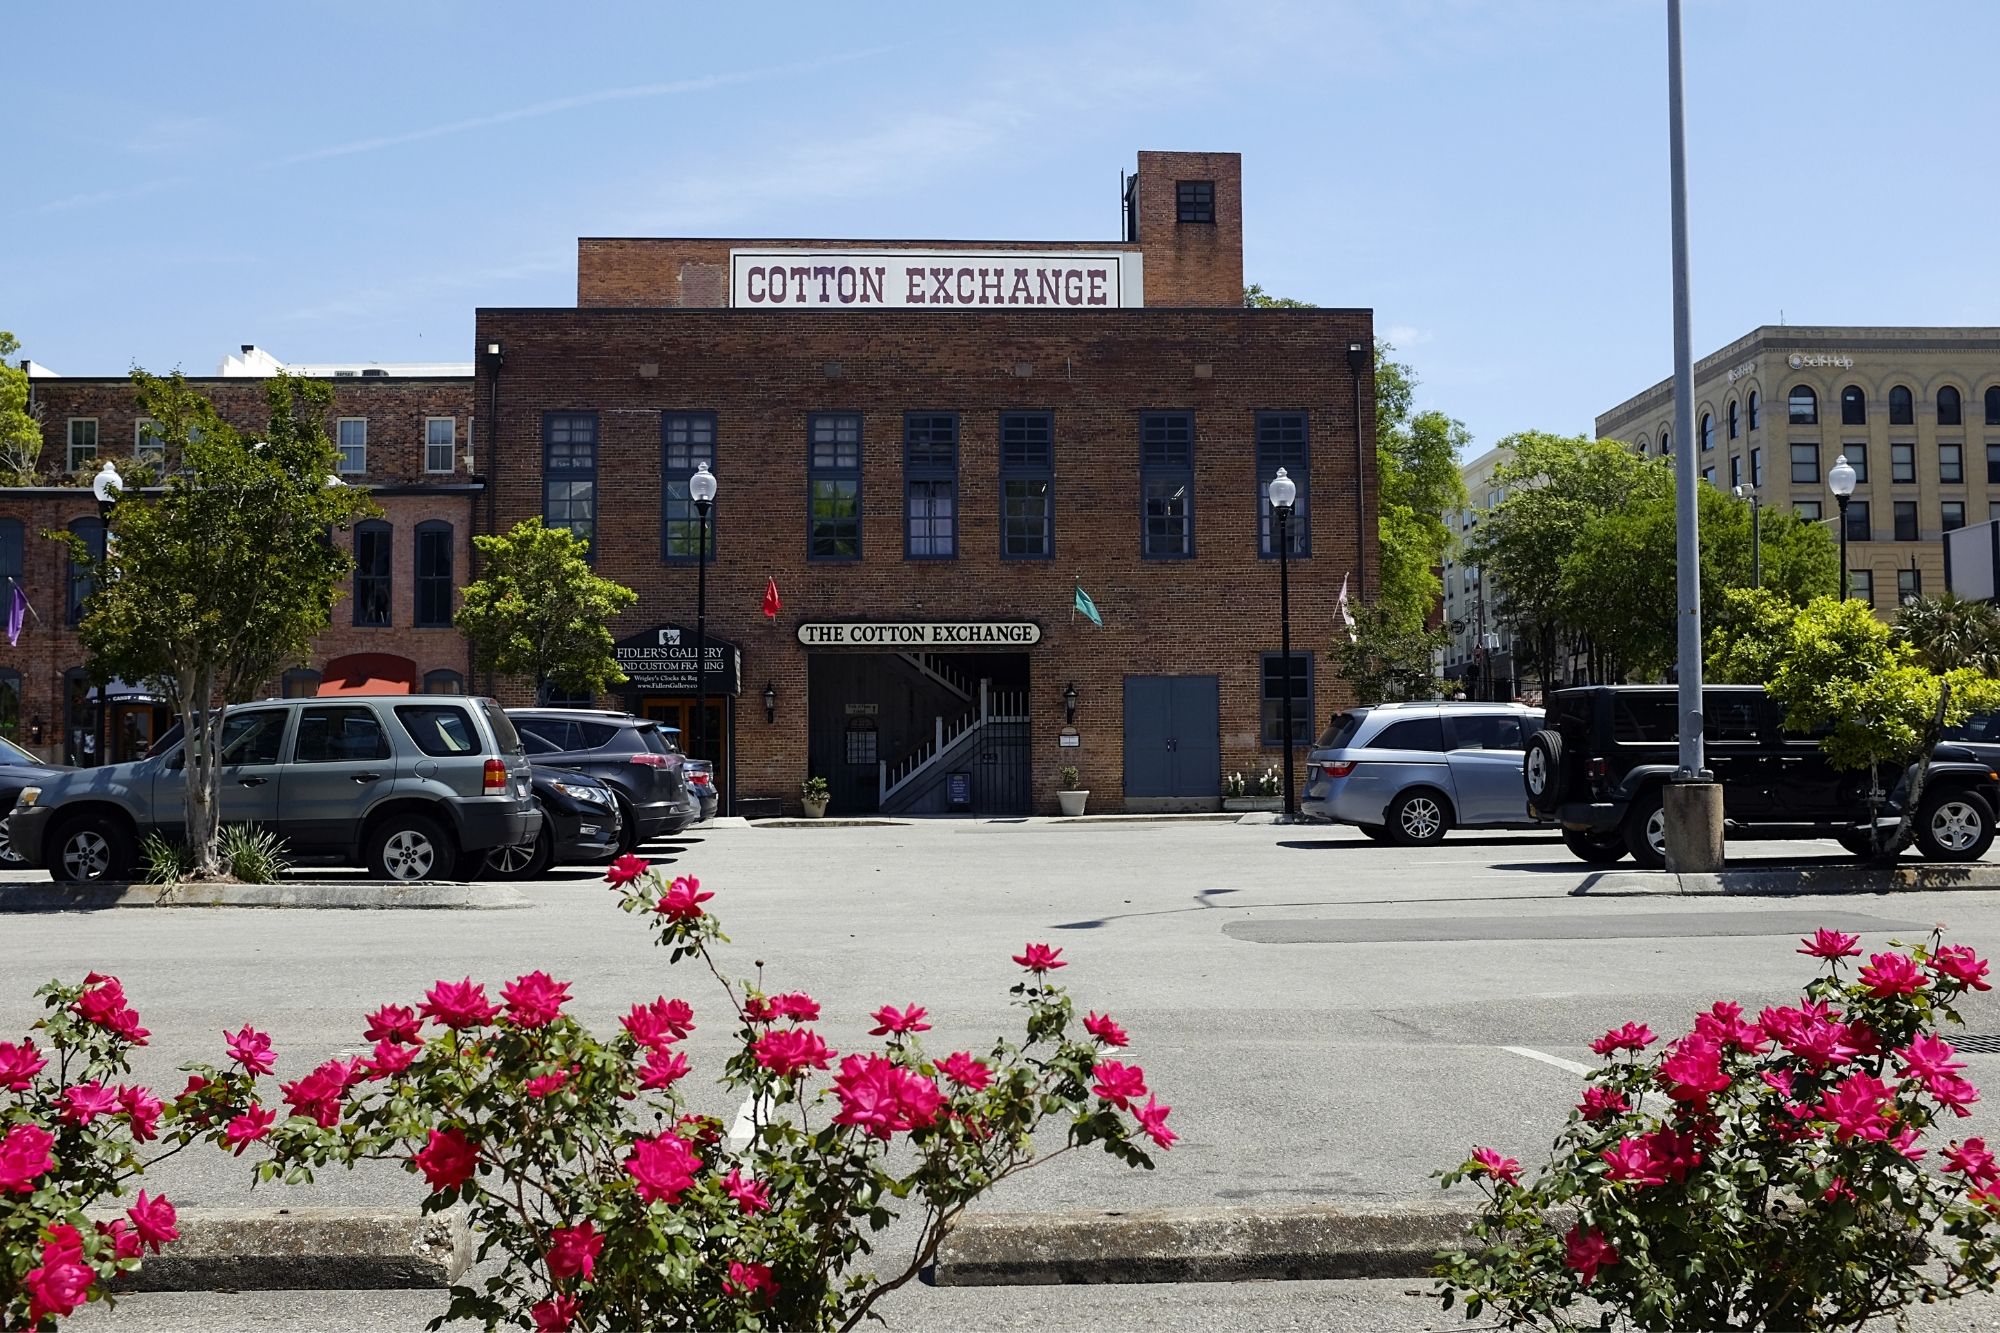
(390,1057)
(573,1251)
(142,1110)
(1956,962)
(1119,1084)
(796,1005)
(1587,1252)
(1600,1103)
(103,1003)
(1971,1160)
(1926,1056)
(394,1022)
(1855,1108)
(791,1050)
(663,1068)
(683,899)
(659,1023)
(24,1156)
(889,1019)
(750,1281)
(1489,1162)
(317,1095)
(1152,1118)
(554,1315)
(62,1281)
(879,1097)
(1831,944)
(1724,1023)
(1040,958)
(626,869)
(543,1084)
(1674,1155)
(663,1168)
(1693,1070)
(1906,1144)
(125,1242)
(447,1159)
(20,1064)
(1892,974)
(84,1102)
(965,1071)
(251,1049)
(1632,1162)
(1101,1027)
(459,1004)
(247,1128)
(535,1000)
(1953,1093)
(1631,1037)
(154,1220)
(750,1195)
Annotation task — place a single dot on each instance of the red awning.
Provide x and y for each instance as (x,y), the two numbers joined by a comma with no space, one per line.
(369,673)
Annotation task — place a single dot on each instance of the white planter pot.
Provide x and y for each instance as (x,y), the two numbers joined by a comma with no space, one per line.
(1242,804)
(1072,802)
(815,809)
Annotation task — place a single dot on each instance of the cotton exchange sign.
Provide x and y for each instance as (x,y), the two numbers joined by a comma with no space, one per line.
(907,279)
(922,634)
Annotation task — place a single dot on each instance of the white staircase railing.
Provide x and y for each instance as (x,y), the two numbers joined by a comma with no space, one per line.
(933,667)
(992,708)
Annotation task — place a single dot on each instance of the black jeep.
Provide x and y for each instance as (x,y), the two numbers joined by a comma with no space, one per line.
(1608,751)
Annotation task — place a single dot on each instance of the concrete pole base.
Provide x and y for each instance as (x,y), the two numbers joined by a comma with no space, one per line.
(1694,827)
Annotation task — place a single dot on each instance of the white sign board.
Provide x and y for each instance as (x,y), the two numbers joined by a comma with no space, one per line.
(921,634)
(935,279)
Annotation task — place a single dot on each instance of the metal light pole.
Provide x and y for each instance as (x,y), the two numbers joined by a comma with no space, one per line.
(1756,537)
(1283,492)
(1840,480)
(701,488)
(106,487)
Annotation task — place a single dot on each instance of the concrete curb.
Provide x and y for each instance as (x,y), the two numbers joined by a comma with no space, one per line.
(53,897)
(1310,1242)
(1917,877)
(789,822)
(332,1249)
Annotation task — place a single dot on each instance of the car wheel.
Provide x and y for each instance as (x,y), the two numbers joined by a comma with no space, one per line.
(8,856)
(406,848)
(1374,832)
(1598,849)
(1645,830)
(628,828)
(1541,772)
(526,861)
(1955,826)
(91,850)
(1418,819)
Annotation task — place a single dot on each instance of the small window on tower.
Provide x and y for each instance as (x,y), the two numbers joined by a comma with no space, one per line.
(1195,201)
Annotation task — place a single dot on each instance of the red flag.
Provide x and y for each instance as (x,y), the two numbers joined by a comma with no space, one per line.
(771,602)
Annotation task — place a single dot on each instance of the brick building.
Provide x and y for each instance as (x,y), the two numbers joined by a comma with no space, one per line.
(406,435)
(930,446)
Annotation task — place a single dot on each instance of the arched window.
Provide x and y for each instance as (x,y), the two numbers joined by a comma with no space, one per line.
(1643,446)
(301,683)
(1802,406)
(1949,408)
(1707,431)
(1902,406)
(443,682)
(1733,423)
(1993,406)
(1753,409)
(1853,406)
(91,530)
(1666,439)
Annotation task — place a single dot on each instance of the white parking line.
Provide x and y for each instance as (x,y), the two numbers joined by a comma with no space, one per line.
(745,1126)
(1547,1059)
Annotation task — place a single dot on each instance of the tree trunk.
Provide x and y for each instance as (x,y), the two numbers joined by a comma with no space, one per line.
(202,729)
(1913,796)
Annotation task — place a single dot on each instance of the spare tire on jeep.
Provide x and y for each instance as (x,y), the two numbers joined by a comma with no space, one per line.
(1541,773)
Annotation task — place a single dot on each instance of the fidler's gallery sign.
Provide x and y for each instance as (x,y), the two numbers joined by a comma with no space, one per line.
(927,279)
(921,634)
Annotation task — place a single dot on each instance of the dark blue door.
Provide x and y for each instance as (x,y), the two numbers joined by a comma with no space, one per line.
(1173,741)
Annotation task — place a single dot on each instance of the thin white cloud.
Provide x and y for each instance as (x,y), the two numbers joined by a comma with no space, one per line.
(1407,335)
(362,302)
(94,197)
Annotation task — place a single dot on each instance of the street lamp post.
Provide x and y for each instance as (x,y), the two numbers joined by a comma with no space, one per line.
(1840,480)
(701,489)
(1283,492)
(106,487)
(1756,537)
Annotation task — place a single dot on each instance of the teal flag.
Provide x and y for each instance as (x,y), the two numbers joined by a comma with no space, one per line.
(1088,607)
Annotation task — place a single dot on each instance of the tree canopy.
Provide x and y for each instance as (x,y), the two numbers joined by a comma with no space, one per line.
(20,432)
(540,612)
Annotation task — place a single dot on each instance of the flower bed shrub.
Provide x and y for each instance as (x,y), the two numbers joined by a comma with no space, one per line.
(1754,1174)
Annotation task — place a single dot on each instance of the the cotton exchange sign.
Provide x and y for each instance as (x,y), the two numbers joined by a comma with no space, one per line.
(878,279)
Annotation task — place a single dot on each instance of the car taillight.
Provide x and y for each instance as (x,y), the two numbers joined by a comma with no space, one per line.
(700,779)
(494,782)
(647,759)
(1339,769)
(1599,768)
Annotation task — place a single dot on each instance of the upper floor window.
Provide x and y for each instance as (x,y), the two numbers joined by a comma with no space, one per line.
(687,440)
(1750,409)
(930,485)
(434,556)
(1027,484)
(1666,439)
(1707,431)
(1735,470)
(1905,515)
(569,473)
(1734,423)
(1902,406)
(1282,443)
(1805,465)
(1756,467)
(1645,445)
(1951,463)
(1166,481)
(1853,406)
(1952,512)
(1993,406)
(372,546)
(1903,463)
(82,442)
(1950,411)
(834,500)
(146,441)
(352,438)
(81,582)
(10,554)
(1858,526)
(1802,406)
(1194,201)
(440,444)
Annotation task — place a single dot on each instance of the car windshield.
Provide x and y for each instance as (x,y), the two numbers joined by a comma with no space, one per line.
(1340,732)
(11,753)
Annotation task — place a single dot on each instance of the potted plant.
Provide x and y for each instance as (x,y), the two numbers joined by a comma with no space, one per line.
(1069,796)
(1237,798)
(814,793)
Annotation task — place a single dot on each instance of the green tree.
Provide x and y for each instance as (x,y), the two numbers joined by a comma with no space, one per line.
(210,587)
(541,612)
(1257,298)
(1387,661)
(1882,702)
(20,428)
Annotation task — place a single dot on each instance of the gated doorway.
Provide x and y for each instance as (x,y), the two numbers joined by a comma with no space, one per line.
(1173,741)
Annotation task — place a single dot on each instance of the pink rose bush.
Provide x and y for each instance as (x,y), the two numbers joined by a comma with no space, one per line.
(1766,1173)
(578,1159)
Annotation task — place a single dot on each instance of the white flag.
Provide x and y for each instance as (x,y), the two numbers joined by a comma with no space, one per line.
(1347,616)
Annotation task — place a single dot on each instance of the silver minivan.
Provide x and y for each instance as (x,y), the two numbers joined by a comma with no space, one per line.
(408,786)
(1409,773)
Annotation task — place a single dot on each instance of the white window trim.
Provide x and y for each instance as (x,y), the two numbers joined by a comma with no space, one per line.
(340,465)
(451,455)
(69,440)
(139,449)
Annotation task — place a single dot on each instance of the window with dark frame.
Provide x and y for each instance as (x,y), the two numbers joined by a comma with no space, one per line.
(81,582)
(1950,407)
(1194,201)
(1856,453)
(1853,406)
(373,542)
(834,486)
(1909,584)
(1903,463)
(1707,431)
(1027,485)
(1735,470)
(1282,442)
(1902,406)
(1734,423)
(1166,481)
(1952,515)
(862,742)
(930,485)
(687,440)
(1802,406)
(1861,585)
(1757,467)
(82,442)
(1805,464)
(1951,463)
(1858,527)
(1993,406)
(1750,409)
(1271,726)
(300,683)
(569,474)
(1993,464)
(12,546)
(443,682)
(1809,510)
(1906,520)
(433,584)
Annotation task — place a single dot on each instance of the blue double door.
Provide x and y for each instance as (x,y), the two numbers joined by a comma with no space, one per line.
(1173,737)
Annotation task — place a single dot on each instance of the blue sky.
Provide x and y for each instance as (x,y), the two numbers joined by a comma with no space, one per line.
(349,182)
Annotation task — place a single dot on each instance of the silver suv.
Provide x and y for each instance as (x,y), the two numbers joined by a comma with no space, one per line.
(1408,773)
(407,786)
